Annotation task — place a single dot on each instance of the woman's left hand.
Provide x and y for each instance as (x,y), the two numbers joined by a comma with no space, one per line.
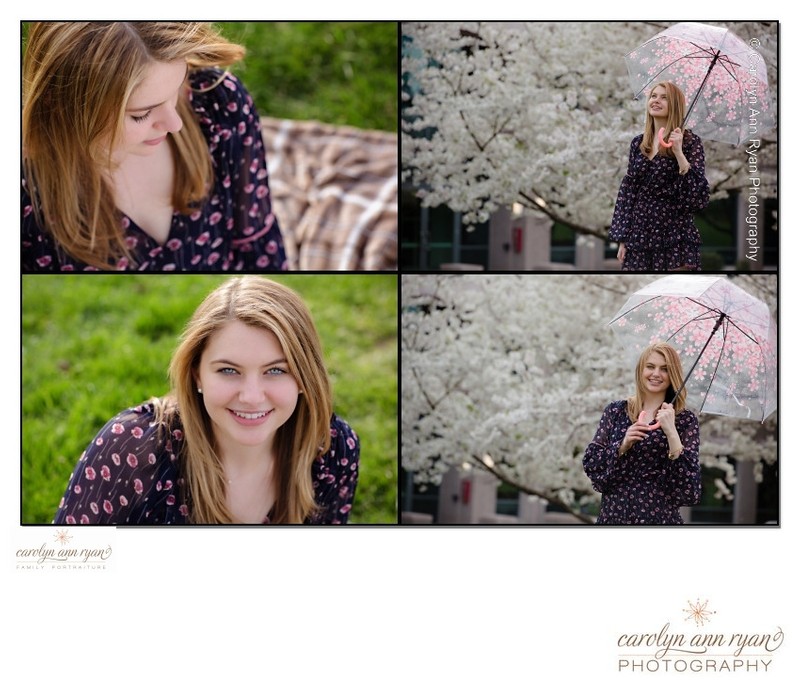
(666,417)
(676,137)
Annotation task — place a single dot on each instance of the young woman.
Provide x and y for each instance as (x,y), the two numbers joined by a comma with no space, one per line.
(664,186)
(644,456)
(140,153)
(248,434)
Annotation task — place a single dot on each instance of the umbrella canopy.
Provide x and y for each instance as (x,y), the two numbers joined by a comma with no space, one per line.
(724,79)
(725,337)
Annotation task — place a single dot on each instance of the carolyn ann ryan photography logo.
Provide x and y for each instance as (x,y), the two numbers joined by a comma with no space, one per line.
(695,645)
(63,555)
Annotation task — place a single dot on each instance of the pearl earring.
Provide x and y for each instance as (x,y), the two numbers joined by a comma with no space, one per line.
(199,390)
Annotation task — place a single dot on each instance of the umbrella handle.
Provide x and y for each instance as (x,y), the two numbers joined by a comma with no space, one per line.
(661,139)
(643,420)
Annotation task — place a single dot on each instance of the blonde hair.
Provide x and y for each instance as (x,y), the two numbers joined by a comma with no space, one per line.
(264,304)
(76,82)
(674,371)
(676,102)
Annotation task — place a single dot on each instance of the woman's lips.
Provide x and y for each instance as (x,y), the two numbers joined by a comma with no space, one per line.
(156,141)
(249,418)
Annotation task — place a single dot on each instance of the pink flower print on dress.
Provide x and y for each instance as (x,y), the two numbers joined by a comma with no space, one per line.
(108,507)
(117,428)
(90,474)
(137,486)
(132,460)
(105,472)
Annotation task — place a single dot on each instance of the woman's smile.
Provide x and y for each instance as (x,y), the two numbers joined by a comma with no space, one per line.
(249,418)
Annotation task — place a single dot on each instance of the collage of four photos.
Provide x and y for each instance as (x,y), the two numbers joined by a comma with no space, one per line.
(399,273)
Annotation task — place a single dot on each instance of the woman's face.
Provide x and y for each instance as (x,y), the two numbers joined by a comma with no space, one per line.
(247,389)
(657,103)
(654,374)
(151,113)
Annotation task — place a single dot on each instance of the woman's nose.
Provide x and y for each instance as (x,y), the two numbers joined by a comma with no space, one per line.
(251,391)
(169,120)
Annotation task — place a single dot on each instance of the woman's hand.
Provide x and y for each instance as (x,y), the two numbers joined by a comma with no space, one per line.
(676,138)
(621,253)
(666,417)
(636,432)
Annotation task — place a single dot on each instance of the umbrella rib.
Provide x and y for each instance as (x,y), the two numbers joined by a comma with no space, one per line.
(697,318)
(752,338)
(653,298)
(666,66)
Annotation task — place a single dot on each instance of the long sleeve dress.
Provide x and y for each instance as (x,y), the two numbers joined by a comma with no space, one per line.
(233,230)
(643,486)
(130,474)
(653,214)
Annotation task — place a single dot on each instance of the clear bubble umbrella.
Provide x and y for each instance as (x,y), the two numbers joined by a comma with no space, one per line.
(723,77)
(726,338)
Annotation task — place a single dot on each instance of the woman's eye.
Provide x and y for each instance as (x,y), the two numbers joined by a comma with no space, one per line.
(276,371)
(140,119)
(227,370)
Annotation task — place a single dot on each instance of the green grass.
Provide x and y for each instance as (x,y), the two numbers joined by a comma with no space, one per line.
(93,345)
(342,73)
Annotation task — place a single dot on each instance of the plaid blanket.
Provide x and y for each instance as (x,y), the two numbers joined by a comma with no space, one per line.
(334,191)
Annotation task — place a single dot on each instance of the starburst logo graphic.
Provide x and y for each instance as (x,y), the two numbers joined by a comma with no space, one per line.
(63,537)
(698,612)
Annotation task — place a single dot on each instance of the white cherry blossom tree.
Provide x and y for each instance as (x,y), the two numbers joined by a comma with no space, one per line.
(512,372)
(542,114)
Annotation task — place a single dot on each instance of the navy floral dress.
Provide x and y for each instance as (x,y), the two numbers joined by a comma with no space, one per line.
(130,474)
(653,215)
(233,230)
(643,486)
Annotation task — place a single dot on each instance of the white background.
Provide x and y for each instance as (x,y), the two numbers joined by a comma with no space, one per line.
(406,603)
